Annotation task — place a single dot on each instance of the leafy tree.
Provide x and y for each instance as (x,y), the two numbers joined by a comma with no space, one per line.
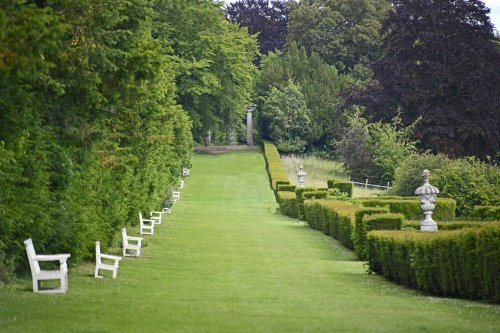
(214,63)
(440,64)
(288,119)
(344,33)
(266,18)
(375,150)
(319,83)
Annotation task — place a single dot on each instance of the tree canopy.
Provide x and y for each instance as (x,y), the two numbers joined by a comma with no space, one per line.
(268,19)
(344,33)
(440,63)
(213,60)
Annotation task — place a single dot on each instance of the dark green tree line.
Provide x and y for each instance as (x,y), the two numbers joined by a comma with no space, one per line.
(90,132)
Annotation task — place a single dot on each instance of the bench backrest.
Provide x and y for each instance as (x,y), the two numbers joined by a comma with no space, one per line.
(124,236)
(30,250)
(98,252)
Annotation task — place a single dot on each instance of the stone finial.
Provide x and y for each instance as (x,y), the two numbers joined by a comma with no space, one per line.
(427,194)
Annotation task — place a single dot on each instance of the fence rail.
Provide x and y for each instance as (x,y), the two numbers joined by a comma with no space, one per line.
(366,184)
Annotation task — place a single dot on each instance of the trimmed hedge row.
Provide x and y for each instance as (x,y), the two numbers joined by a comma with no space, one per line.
(410,207)
(343,185)
(277,173)
(286,187)
(487,212)
(288,204)
(334,217)
(361,229)
(462,263)
(447,226)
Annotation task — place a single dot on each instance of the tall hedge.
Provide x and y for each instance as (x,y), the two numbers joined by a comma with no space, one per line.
(462,263)
(277,173)
(90,132)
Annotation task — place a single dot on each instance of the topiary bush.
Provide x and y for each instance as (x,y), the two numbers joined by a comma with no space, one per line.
(341,185)
(288,204)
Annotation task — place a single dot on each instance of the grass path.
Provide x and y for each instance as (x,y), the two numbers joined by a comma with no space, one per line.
(226,261)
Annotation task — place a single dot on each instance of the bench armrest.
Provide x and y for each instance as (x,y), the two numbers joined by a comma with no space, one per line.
(109,256)
(138,239)
(53,257)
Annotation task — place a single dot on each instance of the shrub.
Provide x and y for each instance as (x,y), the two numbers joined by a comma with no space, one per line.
(299,191)
(314,195)
(410,208)
(467,180)
(487,212)
(288,204)
(286,187)
(461,263)
(342,185)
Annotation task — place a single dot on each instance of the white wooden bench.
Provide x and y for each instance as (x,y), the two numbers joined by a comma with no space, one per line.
(176,196)
(39,275)
(99,264)
(166,210)
(147,226)
(134,246)
(181,185)
(185,172)
(156,216)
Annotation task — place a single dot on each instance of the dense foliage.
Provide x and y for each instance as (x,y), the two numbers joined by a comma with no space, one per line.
(90,129)
(467,180)
(214,65)
(287,118)
(344,33)
(440,63)
(374,150)
(268,19)
(318,82)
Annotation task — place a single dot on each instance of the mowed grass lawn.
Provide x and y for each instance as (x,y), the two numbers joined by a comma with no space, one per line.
(226,261)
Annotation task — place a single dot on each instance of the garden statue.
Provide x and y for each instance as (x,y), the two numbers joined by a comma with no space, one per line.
(427,194)
(301,175)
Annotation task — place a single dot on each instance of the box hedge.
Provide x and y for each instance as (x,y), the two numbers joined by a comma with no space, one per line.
(288,204)
(461,263)
(286,187)
(446,226)
(410,208)
(343,185)
(361,229)
(277,173)
(334,217)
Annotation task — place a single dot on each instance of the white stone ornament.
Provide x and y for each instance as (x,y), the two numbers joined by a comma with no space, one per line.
(301,176)
(427,194)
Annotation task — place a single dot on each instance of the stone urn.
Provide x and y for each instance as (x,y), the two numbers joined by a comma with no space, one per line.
(427,194)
